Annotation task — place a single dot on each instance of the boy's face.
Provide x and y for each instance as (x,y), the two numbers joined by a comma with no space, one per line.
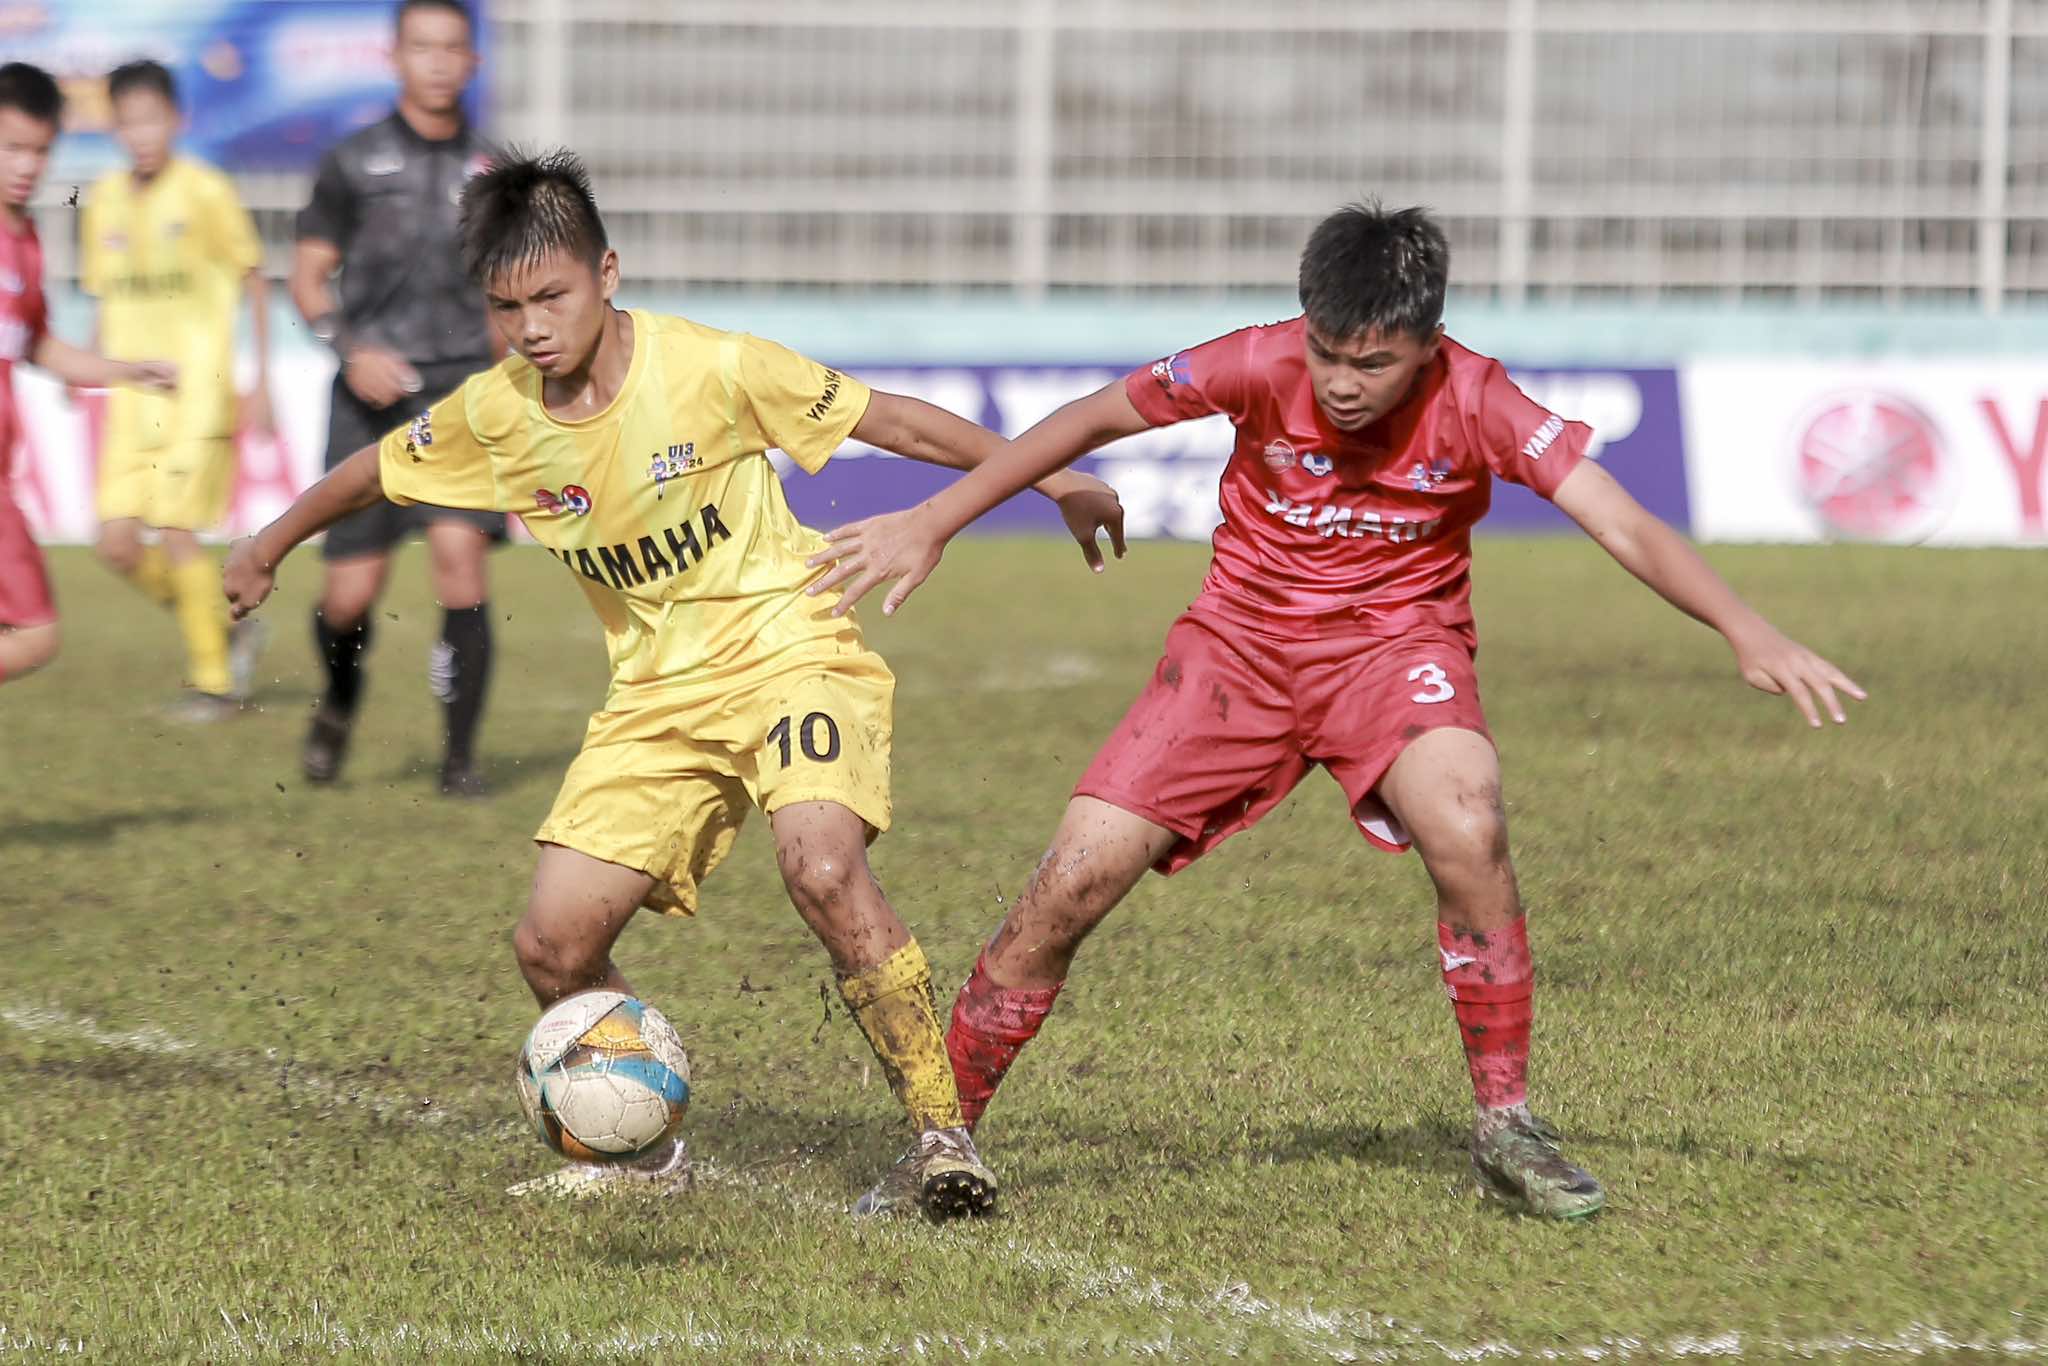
(434,58)
(1360,379)
(24,154)
(146,124)
(552,311)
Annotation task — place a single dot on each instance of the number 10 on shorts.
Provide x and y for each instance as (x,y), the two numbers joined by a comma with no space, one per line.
(817,735)
(1436,687)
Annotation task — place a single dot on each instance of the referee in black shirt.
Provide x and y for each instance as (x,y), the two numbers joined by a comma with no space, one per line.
(408,328)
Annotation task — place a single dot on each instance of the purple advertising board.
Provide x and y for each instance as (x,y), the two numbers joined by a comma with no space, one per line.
(1167,477)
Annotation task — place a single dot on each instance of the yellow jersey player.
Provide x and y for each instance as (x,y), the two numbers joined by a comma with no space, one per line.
(169,250)
(635,446)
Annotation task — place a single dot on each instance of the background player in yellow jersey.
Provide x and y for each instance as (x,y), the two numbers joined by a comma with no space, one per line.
(169,250)
(635,447)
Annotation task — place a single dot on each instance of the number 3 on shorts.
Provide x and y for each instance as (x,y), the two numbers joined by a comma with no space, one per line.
(818,734)
(1435,687)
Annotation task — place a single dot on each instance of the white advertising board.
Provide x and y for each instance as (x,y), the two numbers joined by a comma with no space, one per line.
(1936,453)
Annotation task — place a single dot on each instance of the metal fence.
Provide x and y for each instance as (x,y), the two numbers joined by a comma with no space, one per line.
(1801,150)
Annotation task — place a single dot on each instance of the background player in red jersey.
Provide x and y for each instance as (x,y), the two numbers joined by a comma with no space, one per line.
(30,105)
(1334,628)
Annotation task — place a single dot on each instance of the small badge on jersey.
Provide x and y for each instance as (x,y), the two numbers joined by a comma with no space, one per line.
(387,164)
(1318,464)
(1175,369)
(1426,477)
(679,460)
(1279,456)
(574,499)
(420,432)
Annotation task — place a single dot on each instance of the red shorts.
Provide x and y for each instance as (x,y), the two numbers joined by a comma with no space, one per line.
(24,583)
(1233,719)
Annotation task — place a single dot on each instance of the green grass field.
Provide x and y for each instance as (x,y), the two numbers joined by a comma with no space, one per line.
(256,1039)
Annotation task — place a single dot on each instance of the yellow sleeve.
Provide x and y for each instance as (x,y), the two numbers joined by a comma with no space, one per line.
(795,404)
(436,458)
(230,229)
(91,256)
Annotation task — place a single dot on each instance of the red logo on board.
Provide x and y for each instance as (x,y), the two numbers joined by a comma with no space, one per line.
(1873,467)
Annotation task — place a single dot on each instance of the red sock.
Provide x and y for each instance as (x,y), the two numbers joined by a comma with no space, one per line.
(1489,976)
(990,1024)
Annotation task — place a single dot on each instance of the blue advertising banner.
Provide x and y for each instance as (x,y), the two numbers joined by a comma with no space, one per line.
(1167,477)
(267,85)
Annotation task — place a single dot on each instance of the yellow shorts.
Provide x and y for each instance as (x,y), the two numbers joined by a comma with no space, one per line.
(664,788)
(185,484)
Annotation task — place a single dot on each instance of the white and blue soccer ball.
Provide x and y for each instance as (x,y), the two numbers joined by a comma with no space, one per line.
(603,1077)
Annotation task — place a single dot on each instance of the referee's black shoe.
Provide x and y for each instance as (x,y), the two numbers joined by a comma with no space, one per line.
(460,779)
(326,745)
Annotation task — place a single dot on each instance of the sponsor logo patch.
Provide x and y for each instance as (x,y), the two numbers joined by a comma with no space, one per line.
(1547,433)
(574,500)
(1279,456)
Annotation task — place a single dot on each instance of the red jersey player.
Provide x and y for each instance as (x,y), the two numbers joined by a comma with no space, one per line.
(30,104)
(1334,628)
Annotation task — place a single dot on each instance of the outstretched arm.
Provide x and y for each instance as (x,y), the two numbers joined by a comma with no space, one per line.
(906,545)
(84,369)
(251,569)
(923,431)
(1669,564)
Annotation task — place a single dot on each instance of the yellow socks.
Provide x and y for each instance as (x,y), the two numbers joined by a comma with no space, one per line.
(203,621)
(152,576)
(892,1003)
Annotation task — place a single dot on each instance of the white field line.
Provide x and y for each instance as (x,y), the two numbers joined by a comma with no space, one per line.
(46,1023)
(1338,1334)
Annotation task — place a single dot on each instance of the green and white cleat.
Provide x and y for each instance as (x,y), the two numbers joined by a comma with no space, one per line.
(666,1171)
(1516,1161)
(941,1177)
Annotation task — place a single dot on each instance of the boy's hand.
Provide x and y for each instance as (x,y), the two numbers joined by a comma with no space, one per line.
(1090,509)
(1776,663)
(159,375)
(379,377)
(245,579)
(895,545)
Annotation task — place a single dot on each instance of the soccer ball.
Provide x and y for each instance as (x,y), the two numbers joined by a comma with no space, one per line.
(603,1077)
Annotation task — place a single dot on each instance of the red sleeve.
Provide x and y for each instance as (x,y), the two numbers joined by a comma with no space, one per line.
(1211,378)
(1521,440)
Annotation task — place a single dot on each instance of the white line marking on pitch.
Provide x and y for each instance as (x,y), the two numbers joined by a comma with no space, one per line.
(1340,1333)
(287,1075)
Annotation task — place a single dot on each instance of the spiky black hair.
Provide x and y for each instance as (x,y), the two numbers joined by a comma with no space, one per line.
(525,206)
(32,90)
(1368,268)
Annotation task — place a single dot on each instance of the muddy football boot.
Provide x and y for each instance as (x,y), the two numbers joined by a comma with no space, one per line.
(1516,1160)
(246,639)
(941,1177)
(204,708)
(666,1171)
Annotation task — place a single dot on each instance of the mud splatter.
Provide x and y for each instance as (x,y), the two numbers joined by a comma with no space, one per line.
(1171,674)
